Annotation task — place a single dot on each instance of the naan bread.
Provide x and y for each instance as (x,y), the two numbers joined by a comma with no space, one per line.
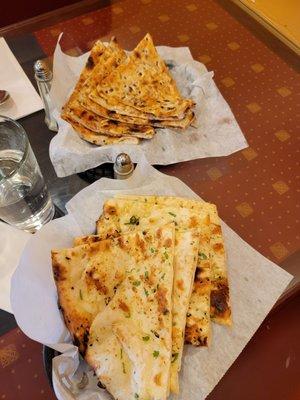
(87,276)
(130,342)
(142,87)
(99,52)
(98,139)
(100,63)
(123,215)
(89,120)
(185,262)
(212,252)
(91,105)
(152,210)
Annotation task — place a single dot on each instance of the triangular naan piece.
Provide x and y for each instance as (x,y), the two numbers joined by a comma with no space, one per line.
(150,210)
(102,126)
(185,262)
(98,56)
(91,105)
(142,87)
(123,215)
(99,139)
(130,342)
(212,256)
(105,58)
(87,276)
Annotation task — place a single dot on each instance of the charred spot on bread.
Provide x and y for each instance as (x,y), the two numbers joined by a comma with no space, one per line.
(90,63)
(219,298)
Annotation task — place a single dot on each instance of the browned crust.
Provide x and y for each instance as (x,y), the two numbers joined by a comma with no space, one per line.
(100,139)
(76,324)
(219,302)
(194,335)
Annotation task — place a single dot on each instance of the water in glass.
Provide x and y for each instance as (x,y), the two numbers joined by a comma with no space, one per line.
(24,198)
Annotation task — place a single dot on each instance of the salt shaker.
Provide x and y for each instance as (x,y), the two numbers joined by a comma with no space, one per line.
(43,76)
(123,166)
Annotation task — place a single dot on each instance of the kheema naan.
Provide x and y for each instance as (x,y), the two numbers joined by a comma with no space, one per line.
(101,61)
(185,262)
(87,276)
(91,105)
(98,139)
(104,126)
(142,87)
(98,52)
(130,342)
(212,253)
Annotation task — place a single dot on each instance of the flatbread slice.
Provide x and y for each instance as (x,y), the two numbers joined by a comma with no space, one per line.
(91,105)
(99,139)
(99,54)
(130,342)
(88,275)
(98,51)
(106,58)
(117,216)
(76,113)
(213,253)
(142,86)
(185,262)
(123,215)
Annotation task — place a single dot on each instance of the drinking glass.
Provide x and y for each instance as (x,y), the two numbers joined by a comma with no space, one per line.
(24,199)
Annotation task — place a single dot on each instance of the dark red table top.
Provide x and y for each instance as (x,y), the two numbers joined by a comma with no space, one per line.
(256,190)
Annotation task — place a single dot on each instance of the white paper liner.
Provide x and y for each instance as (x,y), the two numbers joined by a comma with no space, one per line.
(255,285)
(217,133)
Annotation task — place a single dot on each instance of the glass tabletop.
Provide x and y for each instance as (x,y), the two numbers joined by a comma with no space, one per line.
(256,190)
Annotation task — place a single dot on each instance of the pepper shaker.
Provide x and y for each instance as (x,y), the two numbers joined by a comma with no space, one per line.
(123,166)
(43,76)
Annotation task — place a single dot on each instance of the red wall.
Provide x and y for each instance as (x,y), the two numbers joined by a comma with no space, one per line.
(12,11)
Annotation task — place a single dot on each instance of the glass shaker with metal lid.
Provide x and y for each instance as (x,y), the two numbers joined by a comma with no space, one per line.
(43,76)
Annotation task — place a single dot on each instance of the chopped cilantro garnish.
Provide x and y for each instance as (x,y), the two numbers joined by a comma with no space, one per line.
(146,274)
(136,396)
(136,283)
(133,221)
(163,275)
(146,292)
(121,353)
(173,215)
(174,357)
(152,250)
(202,256)
(155,353)
(166,255)
(80,294)
(146,338)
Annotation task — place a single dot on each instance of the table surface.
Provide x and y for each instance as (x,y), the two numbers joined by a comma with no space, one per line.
(256,190)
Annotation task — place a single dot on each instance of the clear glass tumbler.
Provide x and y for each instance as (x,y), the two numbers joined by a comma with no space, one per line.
(24,199)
